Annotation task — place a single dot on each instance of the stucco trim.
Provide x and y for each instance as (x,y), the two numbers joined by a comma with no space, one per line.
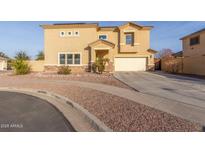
(101,48)
(152,51)
(129,31)
(136,44)
(69,26)
(102,42)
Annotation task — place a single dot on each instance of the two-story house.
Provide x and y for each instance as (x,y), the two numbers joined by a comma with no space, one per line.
(194,53)
(79,45)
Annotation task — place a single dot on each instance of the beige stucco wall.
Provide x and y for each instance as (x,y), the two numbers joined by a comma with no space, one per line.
(112,37)
(53,43)
(194,56)
(141,39)
(194,65)
(141,44)
(36,65)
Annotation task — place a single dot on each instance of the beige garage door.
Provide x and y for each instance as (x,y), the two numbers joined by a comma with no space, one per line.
(130,64)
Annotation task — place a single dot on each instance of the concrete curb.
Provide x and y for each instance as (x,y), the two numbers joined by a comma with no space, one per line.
(66,107)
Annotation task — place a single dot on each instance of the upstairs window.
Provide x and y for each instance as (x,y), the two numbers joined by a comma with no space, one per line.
(194,40)
(103,37)
(76,33)
(62,34)
(129,39)
(70,33)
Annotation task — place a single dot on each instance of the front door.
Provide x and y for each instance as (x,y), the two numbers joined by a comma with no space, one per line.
(101,54)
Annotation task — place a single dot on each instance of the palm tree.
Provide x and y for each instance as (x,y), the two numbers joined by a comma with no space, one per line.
(22,55)
(40,55)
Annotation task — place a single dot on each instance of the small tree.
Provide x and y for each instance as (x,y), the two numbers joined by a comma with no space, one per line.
(40,55)
(164,53)
(22,55)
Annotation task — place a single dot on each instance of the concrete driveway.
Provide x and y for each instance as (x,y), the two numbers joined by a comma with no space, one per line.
(185,90)
(25,113)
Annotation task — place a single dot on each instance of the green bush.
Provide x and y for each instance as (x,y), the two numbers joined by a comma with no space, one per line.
(21,67)
(101,68)
(94,67)
(99,65)
(64,70)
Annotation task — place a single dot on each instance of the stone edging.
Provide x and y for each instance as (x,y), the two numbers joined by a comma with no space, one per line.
(67,107)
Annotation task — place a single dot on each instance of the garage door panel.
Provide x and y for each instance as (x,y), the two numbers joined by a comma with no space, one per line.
(130,64)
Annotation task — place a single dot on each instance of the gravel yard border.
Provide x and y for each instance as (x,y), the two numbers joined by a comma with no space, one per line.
(119,114)
(106,78)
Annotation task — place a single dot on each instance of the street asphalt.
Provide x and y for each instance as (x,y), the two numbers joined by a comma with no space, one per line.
(24,113)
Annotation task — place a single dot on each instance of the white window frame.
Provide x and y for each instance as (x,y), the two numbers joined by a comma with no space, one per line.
(77,34)
(103,34)
(73,53)
(59,60)
(69,32)
(62,35)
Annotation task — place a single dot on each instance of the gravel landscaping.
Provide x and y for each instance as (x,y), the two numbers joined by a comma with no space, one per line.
(106,78)
(117,113)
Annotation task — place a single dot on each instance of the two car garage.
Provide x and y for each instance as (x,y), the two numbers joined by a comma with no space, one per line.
(130,64)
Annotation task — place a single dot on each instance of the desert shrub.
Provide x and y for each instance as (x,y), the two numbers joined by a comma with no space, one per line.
(99,65)
(101,68)
(94,67)
(21,67)
(64,70)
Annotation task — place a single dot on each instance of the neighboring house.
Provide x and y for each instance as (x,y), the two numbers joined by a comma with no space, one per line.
(79,45)
(3,63)
(178,54)
(194,53)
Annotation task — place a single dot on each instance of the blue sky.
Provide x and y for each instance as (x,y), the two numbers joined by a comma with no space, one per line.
(28,36)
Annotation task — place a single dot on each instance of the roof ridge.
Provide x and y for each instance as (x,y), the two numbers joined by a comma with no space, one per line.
(201,30)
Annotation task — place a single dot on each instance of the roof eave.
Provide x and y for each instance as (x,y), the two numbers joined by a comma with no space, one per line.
(194,33)
(153,51)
